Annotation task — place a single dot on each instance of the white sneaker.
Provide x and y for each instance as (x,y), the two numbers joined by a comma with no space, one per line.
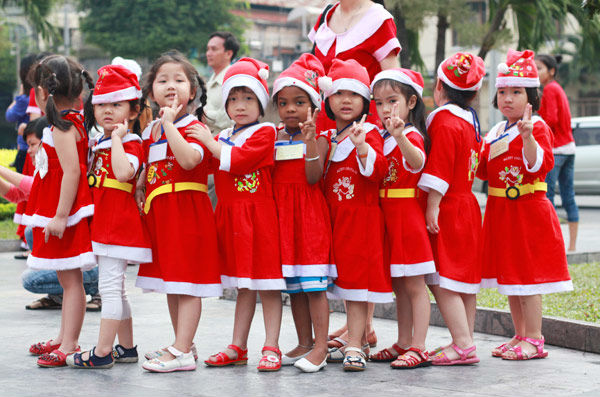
(181,362)
(157,353)
(306,366)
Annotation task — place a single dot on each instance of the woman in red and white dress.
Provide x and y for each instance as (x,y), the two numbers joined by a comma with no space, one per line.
(523,250)
(60,202)
(453,216)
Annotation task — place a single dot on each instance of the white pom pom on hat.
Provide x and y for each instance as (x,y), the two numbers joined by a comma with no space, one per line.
(263,74)
(325,83)
(503,68)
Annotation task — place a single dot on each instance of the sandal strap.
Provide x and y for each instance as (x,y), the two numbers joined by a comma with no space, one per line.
(463,353)
(353,349)
(240,352)
(421,353)
(538,343)
(271,349)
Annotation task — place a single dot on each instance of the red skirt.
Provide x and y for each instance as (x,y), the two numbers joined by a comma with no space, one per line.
(185,259)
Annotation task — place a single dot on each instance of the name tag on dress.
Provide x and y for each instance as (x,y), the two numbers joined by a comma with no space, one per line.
(498,147)
(287,151)
(332,150)
(158,151)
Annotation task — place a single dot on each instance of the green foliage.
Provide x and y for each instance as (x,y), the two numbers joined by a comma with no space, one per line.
(36,12)
(7,211)
(7,63)
(8,229)
(147,28)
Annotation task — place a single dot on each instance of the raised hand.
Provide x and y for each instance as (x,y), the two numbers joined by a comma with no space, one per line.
(395,125)
(525,125)
(308,128)
(357,132)
(200,132)
(121,129)
(169,113)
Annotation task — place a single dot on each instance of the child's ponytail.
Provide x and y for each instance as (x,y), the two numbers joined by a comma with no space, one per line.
(201,98)
(54,118)
(89,120)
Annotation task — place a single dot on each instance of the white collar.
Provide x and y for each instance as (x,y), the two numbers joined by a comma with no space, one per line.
(390,142)
(345,147)
(512,132)
(246,133)
(184,122)
(105,144)
(455,110)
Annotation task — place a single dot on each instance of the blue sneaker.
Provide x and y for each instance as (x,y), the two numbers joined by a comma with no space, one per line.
(93,361)
(124,355)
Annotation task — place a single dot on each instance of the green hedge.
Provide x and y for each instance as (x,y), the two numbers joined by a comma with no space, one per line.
(7,210)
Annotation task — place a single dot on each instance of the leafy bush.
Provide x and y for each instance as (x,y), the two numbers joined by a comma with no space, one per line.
(7,211)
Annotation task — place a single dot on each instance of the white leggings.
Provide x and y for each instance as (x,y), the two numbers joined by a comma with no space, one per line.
(111,284)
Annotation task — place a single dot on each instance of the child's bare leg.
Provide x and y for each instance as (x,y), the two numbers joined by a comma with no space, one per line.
(421,307)
(73,307)
(531,307)
(189,310)
(403,312)
(357,313)
(125,333)
(342,330)
(319,313)
(470,303)
(371,309)
(272,308)
(299,303)
(172,303)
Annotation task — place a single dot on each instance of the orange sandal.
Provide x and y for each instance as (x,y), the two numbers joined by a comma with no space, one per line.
(408,361)
(223,360)
(267,358)
(386,355)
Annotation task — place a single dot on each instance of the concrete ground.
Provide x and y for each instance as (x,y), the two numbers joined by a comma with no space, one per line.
(564,373)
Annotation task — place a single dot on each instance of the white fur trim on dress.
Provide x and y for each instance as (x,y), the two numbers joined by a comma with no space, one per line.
(400,77)
(445,79)
(367,170)
(350,85)
(489,283)
(225,164)
(535,289)
(197,148)
(360,295)
(287,81)
(244,80)
(151,284)
(412,269)
(33,110)
(130,254)
(277,284)
(407,166)
(456,110)
(134,161)
(18,218)
(539,159)
(459,286)
(323,270)
(84,261)
(429,181)
(512,81)
(126,94)
(37,220)
(345,146)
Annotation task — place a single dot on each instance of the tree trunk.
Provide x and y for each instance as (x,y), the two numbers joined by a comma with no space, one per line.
(490,37)
(442,27)
(402,34)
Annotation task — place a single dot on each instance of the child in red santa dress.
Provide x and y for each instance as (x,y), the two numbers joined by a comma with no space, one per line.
(453,216)
(523,250)
(246,215)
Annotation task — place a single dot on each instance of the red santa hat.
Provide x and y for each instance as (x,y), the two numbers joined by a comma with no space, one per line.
(462,71)
(129,64)
(347,75)
(518,71)
(116,83)
(306,73)
(250,73)
(401,75)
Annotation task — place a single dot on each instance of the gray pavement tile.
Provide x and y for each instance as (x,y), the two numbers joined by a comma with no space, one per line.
(565,373)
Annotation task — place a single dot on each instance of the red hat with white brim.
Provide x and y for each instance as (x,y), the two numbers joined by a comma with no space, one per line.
(347,75)
(250,73)
(518,71)
(401,75)
(462,71)
(116,83)
(306,73)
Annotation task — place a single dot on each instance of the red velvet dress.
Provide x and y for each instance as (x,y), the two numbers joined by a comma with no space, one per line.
(28,170)
(179,220)
(352,192)
(450,170)
(523,249)
(74,249)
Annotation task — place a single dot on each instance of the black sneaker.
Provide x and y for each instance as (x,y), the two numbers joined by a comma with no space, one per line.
(124,355)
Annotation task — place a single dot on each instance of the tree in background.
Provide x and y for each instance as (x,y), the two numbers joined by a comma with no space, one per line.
(146,28)
(36,12)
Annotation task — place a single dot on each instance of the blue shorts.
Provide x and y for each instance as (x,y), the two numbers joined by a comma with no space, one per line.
(305,284)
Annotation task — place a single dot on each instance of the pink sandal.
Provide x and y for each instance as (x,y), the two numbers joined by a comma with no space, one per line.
(503,348)
(520,355)
(442,359)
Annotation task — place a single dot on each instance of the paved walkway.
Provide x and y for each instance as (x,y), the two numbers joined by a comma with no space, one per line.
(564,373)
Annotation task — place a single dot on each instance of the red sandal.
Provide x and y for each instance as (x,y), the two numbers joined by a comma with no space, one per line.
(42,348)
(408,361)
(55,359)
(520,355)
(223,360)
(267,358)
(386,355)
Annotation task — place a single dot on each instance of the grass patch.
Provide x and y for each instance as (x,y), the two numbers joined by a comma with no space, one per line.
(583,303)
(8,229)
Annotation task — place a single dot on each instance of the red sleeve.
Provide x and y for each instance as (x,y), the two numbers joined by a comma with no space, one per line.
(549,107)
(483,161)
(384,41)
(545,157)
(376,164)
(135,153)
(256,152)
(439,170)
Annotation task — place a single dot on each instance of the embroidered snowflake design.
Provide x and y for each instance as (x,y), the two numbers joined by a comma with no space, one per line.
(344,188)
(249,183)
(41,162)
(473,164)
(392,174)
(511,175)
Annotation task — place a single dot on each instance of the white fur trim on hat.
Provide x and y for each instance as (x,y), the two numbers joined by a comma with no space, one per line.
(126,94)
(287,81)
(514,81)
(446,80)
(244,80)
(350,85)
(396,75)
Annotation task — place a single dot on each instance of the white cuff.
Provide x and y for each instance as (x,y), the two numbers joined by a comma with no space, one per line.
(539,159)
(368,169)
(197,148)
(429,181)
(225,158)
(134,161)
(386,49)
(407,166)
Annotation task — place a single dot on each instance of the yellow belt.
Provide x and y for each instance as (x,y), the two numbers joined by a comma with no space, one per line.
(397,193)
(174,187)
(514,192)
(94,181)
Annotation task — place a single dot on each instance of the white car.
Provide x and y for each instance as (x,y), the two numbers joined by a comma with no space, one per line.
(586,131)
